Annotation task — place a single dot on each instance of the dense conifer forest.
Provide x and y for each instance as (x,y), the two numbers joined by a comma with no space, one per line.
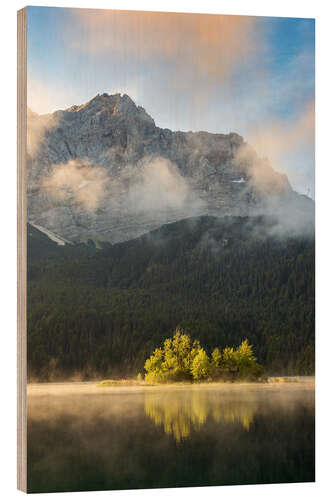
(101,312)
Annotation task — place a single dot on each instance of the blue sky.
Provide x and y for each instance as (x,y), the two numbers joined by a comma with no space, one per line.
(254,76)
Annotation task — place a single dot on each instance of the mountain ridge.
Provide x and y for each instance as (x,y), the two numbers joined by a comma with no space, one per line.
(104,170)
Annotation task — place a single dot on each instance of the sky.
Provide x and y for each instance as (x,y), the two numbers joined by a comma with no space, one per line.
(250,75)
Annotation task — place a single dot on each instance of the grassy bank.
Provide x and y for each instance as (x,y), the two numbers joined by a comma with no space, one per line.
(135,382)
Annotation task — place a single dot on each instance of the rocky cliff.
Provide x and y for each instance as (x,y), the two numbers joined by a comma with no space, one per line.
(104,170)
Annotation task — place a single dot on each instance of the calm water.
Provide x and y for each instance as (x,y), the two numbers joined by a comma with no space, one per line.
(81,437)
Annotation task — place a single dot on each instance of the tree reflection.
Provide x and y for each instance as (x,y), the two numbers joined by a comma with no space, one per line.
(181,413)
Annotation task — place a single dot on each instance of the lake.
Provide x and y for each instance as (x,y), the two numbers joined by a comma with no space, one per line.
(83,437)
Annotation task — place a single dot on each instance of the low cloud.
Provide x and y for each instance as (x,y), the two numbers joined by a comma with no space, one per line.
(280,137)
(151,186)
(160,186)
(292,213)
(281,140)
(79,181)
(262,177)
(37,126)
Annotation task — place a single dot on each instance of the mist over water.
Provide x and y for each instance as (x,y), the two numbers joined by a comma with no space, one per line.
(83,437)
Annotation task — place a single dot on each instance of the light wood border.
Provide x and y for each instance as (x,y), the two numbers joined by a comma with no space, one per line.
(21,251)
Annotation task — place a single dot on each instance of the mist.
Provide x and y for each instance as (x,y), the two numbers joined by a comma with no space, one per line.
(159,186)
(294,214)
(37,127)
(289,145)
(153,187)
(82,437)
(78,180)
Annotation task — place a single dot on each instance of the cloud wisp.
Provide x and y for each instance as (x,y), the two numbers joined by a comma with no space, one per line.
(212,45)
(152,186)
(159,186)
(77,180)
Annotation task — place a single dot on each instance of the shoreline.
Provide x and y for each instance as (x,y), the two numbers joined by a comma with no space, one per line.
(85,388)
(134,382)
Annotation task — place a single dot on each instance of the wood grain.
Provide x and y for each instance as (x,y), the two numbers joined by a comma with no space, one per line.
(21,251)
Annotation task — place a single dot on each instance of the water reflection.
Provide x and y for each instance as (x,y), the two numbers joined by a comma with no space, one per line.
(83,438)
(182,413)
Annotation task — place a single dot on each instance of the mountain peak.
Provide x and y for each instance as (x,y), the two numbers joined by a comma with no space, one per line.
(104,170)
(117,104)
(99,101)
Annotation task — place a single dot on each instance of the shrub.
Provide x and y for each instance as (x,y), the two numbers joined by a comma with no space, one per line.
(181,359)
(173,361)
(201,366)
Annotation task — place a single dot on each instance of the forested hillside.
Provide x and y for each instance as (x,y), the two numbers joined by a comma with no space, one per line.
(102,312)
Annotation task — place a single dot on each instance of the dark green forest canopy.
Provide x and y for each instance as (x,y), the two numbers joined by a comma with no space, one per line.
(102,312)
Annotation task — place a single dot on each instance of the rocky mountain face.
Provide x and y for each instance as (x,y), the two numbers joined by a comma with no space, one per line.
(104,170)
